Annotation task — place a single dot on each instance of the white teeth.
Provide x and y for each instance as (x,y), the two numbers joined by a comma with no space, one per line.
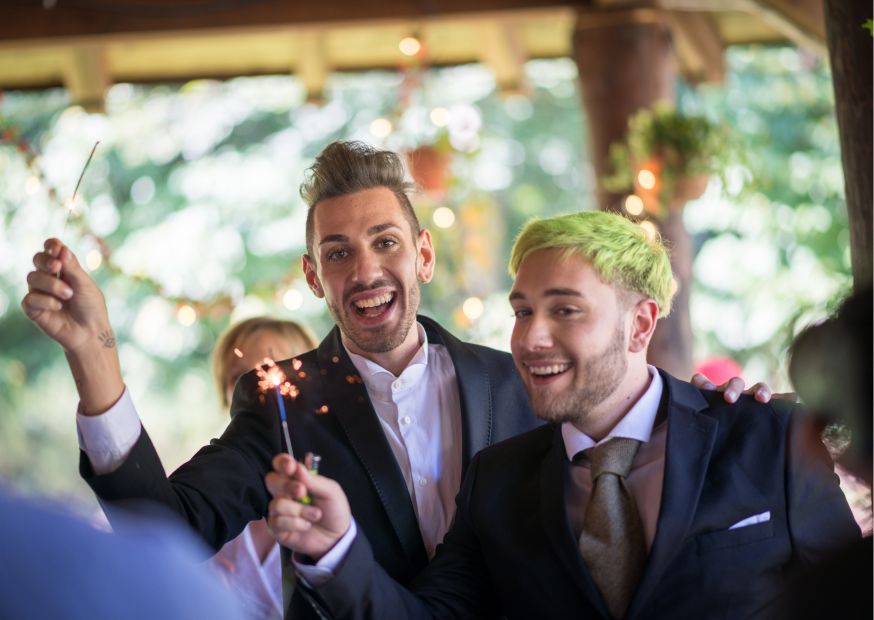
(553,369)
(374,301)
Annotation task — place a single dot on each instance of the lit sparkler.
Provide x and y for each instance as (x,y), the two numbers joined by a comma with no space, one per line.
(271,377)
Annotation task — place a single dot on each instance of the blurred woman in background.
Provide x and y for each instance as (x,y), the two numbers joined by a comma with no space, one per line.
(250,564)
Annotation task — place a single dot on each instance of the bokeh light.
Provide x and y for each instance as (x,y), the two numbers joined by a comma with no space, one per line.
(380,128)
(473,308)
(186,315)
(443,217)
(633,204)
(410,46)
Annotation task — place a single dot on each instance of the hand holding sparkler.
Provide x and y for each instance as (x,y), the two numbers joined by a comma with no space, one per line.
(310,529)
(71,310)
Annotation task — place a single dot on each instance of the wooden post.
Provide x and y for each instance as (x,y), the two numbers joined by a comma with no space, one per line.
(849,50)
(626,62)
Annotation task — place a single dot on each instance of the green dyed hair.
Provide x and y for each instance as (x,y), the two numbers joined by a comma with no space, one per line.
(620,251)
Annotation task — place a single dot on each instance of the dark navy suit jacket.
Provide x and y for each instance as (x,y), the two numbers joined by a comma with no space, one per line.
(222,487)
(511,551)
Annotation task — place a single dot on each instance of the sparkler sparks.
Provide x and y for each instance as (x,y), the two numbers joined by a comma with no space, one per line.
(271,377)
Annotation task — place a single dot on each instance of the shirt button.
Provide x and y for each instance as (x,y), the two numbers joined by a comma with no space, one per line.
(397,385)
(406,419)
(422,482)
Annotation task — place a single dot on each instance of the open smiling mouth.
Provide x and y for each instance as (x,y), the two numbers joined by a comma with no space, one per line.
(548,371)
(374,306)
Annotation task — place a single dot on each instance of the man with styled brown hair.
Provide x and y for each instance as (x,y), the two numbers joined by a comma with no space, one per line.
(394,404)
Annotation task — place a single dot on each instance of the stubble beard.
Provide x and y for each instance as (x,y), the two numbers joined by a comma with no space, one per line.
(601,375)
(384,338)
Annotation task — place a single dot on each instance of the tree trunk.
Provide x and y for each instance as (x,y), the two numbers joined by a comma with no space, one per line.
(626,62)
(849,50)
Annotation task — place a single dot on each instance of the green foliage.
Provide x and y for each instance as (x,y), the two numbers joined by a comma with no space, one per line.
(775,256)
(194,189)
(680,144)
(195,186)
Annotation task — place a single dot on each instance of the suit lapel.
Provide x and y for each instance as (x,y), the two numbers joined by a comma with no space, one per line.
(474,389)
(691,434)
(350,403)
(553,515)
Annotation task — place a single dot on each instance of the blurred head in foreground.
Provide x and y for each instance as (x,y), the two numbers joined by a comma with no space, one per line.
(830,367)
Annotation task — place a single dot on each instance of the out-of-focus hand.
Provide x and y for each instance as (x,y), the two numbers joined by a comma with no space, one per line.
(70,309)
(734,387)
(309,529)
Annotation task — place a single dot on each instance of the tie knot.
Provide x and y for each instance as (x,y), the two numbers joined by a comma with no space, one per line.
(612,457)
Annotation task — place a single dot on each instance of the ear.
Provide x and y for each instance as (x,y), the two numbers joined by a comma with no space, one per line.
(425,258)
(309,270)
(644,315)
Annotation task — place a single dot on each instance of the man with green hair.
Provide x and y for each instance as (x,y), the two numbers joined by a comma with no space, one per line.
(642,497)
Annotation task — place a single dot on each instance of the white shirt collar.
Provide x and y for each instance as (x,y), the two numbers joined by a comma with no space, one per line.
(636,424)
(378,380)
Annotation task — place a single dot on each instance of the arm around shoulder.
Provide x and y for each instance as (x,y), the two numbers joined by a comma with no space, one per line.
(820,520)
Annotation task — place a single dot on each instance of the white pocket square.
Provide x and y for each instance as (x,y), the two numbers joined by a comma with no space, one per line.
(759,518)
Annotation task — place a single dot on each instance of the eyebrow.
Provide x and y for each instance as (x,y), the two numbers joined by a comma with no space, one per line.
(551,292)
(373,230)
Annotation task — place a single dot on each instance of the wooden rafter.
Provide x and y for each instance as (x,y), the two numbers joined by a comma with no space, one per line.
(699,45)
(86,76)
(312,66)
(503,51)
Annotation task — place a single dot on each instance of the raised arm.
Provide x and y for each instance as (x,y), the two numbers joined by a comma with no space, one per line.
(66,304)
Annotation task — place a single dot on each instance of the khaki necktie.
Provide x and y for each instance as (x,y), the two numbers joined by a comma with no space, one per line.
(612,542)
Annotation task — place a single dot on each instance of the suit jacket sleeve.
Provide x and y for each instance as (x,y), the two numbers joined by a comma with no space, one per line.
(455,584)
(220,489)
(820,520)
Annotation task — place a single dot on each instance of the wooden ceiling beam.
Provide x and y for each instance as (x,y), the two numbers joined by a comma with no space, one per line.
(24,19)
(502,50)
(86,76)
(800,21)
(699,46)
(312,66)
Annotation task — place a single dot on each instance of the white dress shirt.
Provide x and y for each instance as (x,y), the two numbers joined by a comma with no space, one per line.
(258,586)
(420,414)
(419,411)
(647,469)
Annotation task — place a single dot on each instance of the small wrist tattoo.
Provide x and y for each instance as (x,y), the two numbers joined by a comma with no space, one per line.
(107,338)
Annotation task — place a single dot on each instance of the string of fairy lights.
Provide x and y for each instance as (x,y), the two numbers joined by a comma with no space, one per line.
(189,310)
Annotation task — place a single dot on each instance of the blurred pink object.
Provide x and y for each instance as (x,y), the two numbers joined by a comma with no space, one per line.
(719,369)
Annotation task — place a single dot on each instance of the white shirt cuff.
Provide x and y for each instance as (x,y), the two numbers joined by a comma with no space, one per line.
(323,571)
(109,437)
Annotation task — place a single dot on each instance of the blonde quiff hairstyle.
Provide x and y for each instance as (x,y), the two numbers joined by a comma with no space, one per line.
(299,337)
(347,167)
(620,251)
